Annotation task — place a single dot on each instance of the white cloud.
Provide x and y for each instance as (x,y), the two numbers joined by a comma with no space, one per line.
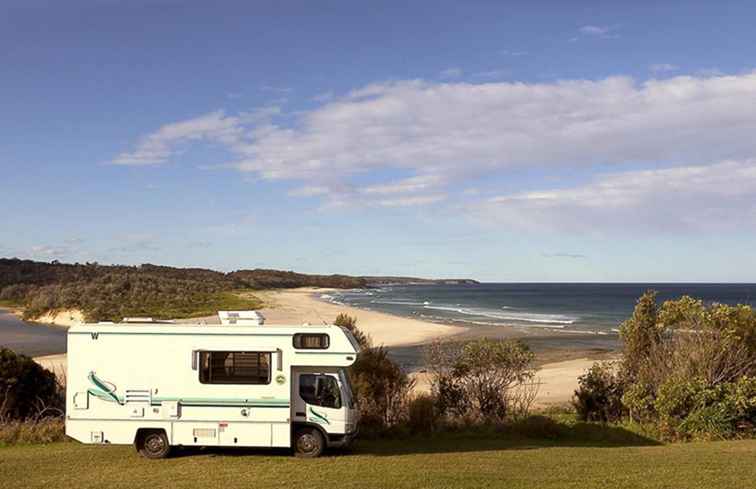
(491,74)
(420,183)
(274,88)
(594,30)
(720,196)
(663,68)
(411,200)
(463,129)
(216,127)
(46,252)
(561,254)
(507,52)
(309,191)
(444,133)
(600,31)
(451,73)
(706,72)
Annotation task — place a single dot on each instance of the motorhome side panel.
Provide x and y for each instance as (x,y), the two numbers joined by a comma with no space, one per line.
(124,379)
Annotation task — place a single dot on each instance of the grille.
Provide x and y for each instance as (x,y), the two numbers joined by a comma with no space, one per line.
(204,432)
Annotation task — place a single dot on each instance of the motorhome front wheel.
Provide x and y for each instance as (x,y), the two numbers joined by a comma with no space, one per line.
(309,443)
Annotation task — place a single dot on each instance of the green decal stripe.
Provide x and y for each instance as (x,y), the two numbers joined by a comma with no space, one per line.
(188,401)
(105,396)
(103,391)
(319,416)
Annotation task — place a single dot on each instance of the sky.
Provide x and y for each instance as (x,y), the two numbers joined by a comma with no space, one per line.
(500,141)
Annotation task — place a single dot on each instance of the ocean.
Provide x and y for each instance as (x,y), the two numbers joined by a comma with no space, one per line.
(589,308)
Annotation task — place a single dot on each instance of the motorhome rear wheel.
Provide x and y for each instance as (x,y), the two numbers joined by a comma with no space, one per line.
(153,444)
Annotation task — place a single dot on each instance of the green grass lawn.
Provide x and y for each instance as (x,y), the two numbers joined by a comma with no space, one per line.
(442,462)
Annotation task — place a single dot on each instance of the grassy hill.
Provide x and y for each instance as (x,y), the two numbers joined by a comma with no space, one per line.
(445,462)
(105,292)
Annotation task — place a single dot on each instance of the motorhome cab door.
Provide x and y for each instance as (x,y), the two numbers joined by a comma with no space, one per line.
(318,400)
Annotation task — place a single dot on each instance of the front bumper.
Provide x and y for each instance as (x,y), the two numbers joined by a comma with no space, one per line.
(341,441)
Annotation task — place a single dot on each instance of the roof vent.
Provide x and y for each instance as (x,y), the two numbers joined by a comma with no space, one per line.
(241,318)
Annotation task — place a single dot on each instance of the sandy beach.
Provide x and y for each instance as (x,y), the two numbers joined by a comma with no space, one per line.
(298,306)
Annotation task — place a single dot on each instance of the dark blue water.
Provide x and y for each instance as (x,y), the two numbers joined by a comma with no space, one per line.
(573,307)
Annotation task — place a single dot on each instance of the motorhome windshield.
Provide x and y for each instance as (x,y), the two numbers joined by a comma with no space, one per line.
(351,338)
(348,395)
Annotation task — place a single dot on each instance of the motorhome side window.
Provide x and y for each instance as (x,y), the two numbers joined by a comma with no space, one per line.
(320,390)
(311,341)
(234,367)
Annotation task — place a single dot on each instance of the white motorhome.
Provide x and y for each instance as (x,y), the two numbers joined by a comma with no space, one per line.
(158,385)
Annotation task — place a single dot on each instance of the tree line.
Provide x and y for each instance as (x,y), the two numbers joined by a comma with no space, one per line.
(111,292)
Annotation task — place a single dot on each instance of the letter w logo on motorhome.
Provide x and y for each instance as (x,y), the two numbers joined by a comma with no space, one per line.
(95,335)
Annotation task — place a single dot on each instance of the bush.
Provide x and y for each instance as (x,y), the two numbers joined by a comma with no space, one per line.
(688,368)
(599,394)
(350,323)
(422,415)
(484,379)
(46,430)
(381,388)
(695,409)
(26,389)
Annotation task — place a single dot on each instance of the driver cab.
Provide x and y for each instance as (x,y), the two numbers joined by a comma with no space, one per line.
(323,399)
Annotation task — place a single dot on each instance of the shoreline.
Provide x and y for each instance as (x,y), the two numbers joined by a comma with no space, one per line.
(303,305)
(550,345)
(62,319)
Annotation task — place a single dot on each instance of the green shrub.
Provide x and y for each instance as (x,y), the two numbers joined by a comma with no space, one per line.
(350,323)
(695,409)
(599,394)
(688,368)
(484,379)
(640,334)
(26,389)
(381,387)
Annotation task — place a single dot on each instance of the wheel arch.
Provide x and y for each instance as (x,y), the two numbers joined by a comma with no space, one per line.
(140,433)
(306,424)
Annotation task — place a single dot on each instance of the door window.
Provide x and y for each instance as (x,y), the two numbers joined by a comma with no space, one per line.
(320,390)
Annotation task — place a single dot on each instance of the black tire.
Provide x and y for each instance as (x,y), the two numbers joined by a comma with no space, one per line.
(153,444)
(308,443)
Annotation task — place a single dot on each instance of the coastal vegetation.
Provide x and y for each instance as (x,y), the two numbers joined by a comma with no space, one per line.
(26,389)
(479,383)
(109,293)
(32,401)
(688,371)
